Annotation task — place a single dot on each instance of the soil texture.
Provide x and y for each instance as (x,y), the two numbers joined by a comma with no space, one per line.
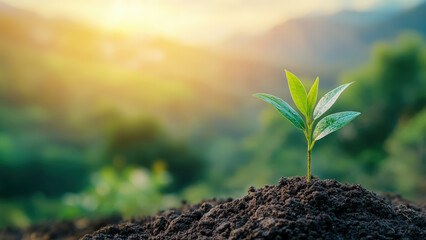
(292,209)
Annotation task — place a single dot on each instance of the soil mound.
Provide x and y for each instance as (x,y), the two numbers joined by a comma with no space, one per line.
(292,209)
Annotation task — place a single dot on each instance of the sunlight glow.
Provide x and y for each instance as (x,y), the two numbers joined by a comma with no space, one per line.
(194,21)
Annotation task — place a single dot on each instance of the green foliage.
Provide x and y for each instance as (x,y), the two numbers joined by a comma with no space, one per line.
(388,142)
(306,104)
(390,89)
(312,97)
(284,109)
(328,100)
(298,93)
(404,166)
(332,123)
(142,142)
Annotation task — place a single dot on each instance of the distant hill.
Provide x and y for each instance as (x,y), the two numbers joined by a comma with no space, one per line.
(328,44)
(413,19)
(357,18)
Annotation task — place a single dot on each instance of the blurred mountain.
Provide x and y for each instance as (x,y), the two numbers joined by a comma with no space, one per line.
(329,44)
(413,19)
(356,18)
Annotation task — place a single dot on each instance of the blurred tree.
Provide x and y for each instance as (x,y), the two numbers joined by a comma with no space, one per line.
(405,167)
(35,158)
(142,142)
(389,92)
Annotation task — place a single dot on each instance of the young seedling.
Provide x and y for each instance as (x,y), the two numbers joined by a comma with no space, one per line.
(306,104)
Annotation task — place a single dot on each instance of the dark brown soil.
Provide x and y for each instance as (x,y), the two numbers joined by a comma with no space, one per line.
(69,230)
(293,209)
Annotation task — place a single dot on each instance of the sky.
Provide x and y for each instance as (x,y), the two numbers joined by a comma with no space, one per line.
(197,21)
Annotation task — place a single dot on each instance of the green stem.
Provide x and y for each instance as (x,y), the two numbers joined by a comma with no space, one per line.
(309,165)
(308,135)
(312,145)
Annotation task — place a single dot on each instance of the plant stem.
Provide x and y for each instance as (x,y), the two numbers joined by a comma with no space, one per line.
(308,135)
(309,165)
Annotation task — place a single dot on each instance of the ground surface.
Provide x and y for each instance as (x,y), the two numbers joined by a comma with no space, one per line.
(65,230)
(292,209)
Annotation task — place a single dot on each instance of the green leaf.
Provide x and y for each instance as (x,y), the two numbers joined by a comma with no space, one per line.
(284,109)
(298,92)
(328,100)
(312,97)
(332,123)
